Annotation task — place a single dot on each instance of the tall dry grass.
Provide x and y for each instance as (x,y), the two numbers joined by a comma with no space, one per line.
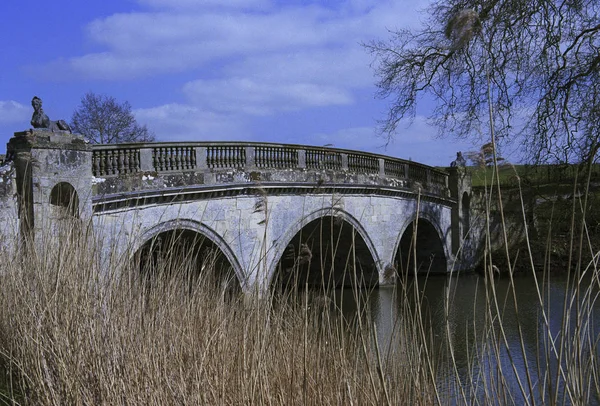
(74,330)
(72,333)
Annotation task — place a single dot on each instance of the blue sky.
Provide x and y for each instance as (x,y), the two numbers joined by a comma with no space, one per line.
(208,70)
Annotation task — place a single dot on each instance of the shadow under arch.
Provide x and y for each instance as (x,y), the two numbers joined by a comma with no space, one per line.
(64,200)
(191,235)
(324,249)
(431,252)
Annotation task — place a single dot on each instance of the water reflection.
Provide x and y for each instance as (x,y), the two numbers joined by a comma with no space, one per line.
(506,339)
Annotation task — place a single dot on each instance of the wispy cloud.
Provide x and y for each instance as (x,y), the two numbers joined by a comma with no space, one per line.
(246,96)
(13,112)
(417,142)
(177,122)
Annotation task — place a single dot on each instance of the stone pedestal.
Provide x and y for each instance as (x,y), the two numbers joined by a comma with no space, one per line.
(459,184)
(53,180)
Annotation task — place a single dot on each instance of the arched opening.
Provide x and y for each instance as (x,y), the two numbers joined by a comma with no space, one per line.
(64,200)
(420,248)
(188,256)
(465,215)
(327,253)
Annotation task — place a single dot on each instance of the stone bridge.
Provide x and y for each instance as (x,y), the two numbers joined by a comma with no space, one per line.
(272,213)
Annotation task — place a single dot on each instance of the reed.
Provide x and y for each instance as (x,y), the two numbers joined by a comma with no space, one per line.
(75,330)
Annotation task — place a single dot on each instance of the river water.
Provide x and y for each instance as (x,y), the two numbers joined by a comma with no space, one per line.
(506,336)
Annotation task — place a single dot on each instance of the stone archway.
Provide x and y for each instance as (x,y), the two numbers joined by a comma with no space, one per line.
(327,252)
(64,201)
(188,254)
(420,249)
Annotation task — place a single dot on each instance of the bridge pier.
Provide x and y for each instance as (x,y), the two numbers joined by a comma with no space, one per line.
(54,181)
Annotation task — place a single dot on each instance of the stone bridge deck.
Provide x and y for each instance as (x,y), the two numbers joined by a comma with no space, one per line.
(133,174)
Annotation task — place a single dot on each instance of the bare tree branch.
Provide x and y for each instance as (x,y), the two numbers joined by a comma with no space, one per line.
(543,59)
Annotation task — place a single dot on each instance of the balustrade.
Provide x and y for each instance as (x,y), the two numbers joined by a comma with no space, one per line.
(175,158)
(438,178)
(178,157)
(322,159)
(363,163)
(226,156)
(417,173)
(107,162)
(395,169)
(275,157)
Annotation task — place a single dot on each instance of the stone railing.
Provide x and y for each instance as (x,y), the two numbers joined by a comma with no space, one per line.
(175,157)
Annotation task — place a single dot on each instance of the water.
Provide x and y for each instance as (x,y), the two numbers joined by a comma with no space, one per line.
(504,349)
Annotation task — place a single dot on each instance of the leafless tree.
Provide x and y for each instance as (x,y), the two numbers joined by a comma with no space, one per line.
(540,59)
(103,120)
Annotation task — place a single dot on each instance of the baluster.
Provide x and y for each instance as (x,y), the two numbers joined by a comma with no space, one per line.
(102,163)
(119,161)
(155,159)
(209,157)
(178,152)
(126,154)
(161,158)
(186,157)
(95,164)
(136,161)
(191,158)
(113,163)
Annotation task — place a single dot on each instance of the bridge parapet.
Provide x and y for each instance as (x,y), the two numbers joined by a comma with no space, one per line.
(212,163)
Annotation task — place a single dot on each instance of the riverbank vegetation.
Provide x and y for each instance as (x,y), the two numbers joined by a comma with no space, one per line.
(560,205)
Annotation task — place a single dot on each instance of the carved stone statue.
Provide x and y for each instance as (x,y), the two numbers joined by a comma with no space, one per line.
(41,120)
(459,162)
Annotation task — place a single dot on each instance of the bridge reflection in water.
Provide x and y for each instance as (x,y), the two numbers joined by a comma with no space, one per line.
(459,312)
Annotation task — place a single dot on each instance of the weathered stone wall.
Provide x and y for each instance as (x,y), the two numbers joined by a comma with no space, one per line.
(9,214)
(485,215)
(142,181)
(44,161)
(254,240)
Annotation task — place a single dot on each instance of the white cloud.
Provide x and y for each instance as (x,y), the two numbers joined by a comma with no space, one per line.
(14,112)
(177,122)
(183,37)
(346,67)
(195,4)
(242,95)
(417,142)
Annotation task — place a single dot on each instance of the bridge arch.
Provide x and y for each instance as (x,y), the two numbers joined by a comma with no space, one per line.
(432,248)
(199,228)
(336,215)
